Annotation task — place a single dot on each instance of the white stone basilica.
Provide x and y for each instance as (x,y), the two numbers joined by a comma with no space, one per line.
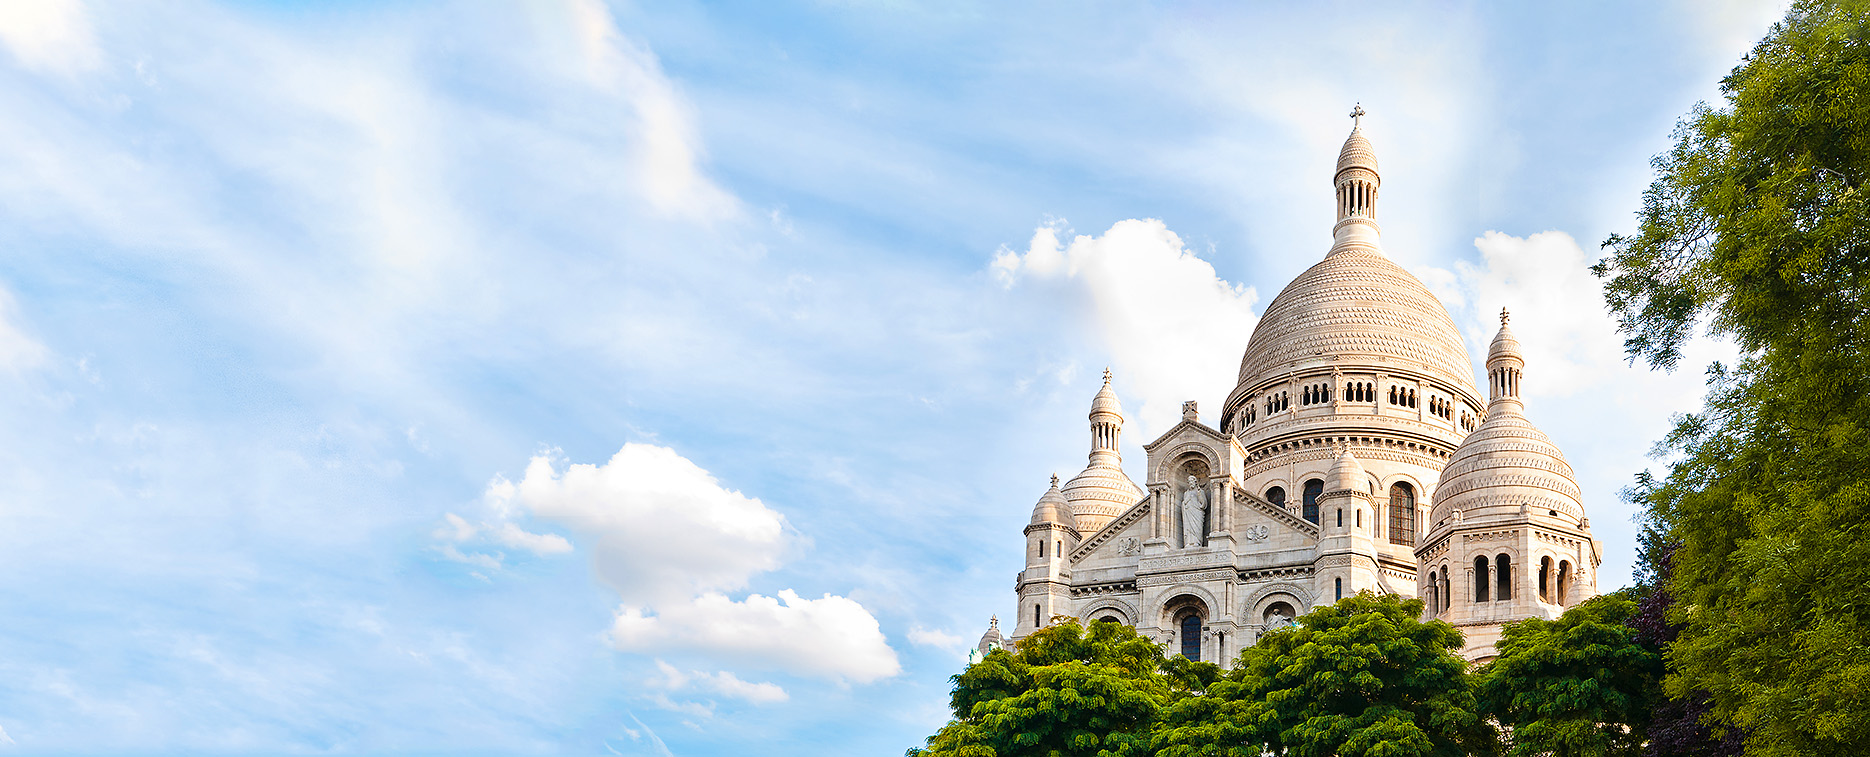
(1355,410)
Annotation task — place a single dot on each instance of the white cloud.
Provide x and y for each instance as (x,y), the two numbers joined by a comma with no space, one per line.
(478,559)
(5,739)
(929,637)
(539,544)
(1544,280)
(1175,330)
(832,637)
(49,35)
(723,683)
(668,149)
(659,527)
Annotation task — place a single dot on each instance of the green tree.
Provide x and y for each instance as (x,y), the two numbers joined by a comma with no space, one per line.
(1068,692)
(1363,677)
(1579,686)
(1757,225)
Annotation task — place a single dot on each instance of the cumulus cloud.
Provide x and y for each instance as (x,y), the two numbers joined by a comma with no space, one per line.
(722,683)
(831,637)
(659,527)
(1569,339)
(1175,330)
(670,538)
(668,148)
(50,35)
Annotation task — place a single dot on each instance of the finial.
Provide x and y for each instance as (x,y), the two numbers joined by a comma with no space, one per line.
(1106,374)
(994,622)
(1357,114)
(1055,480)
(1504,316)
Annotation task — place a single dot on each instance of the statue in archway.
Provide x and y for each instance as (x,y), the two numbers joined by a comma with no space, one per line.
(1194,514)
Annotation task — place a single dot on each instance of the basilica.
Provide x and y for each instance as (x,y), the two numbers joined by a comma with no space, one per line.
(1355,454)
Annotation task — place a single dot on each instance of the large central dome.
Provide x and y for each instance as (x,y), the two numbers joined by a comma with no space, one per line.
(1360,307)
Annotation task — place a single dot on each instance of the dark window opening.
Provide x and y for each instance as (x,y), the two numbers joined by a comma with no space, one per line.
(1340,585)
(1503,569)
(1313,488)
(1480,579)
(1402,514)
(1191,637)
(1276,495)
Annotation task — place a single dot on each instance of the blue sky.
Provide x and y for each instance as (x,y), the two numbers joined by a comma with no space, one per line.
(535,378)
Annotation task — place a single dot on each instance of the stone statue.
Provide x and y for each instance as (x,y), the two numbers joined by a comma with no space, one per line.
(1277,620)
(1194,512)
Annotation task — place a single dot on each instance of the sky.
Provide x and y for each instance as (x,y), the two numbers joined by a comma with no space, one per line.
(675,379)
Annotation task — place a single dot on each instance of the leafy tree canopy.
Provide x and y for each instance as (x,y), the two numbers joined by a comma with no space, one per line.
(1757,224)
(1363,677)
(1069,691)
(1580,686)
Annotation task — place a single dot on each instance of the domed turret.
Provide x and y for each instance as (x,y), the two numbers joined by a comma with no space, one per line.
(1347,474)
(1507,462)
(989,641)
(1052,508)
(1102,491)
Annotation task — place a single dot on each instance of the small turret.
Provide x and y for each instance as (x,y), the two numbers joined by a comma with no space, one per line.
(1356,182)
(1102,491)
(1348,475)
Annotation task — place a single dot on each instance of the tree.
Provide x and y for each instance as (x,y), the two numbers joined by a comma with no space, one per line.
(1677,726)
(1758,226)
(1361,677)
(1068,692)
(1579,686)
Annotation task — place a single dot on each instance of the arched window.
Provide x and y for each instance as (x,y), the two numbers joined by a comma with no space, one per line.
(1392,395)
(1035,616)
(1545,579)
(1191,637)
(1109,619)
(1340,584)
(1480,579)
(1503,568)
(1564,581)
(1313,488)
(1447,589)
(1042,548)
(1276,495)
(1402,513)
(1340,517)
(1434,598)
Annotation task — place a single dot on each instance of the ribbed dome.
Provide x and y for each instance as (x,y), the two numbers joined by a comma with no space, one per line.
(1504,464)
(1357,153)
(1348,475)
(1358,305)
(1052,508)
(1105,403)
(1505,345)
(1100,493)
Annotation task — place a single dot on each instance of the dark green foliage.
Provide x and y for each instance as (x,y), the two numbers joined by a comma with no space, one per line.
(1758,225)
(1579,686)
(1068,692)
(1362,677)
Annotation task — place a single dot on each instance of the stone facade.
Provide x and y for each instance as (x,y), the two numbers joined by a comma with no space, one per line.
(1355,397)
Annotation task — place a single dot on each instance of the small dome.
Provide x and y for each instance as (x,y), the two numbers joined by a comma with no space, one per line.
(1052,508)
(1357,153)
(1105,403)
(1348,474)
(1505,346)
(1507,466)
(991,640)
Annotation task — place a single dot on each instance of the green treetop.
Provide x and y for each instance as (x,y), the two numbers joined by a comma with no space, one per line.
(1578,686)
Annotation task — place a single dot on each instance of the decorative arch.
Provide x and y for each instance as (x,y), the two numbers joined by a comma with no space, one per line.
(1181,596)
(1257,601)
(1175,458)
(1125,612)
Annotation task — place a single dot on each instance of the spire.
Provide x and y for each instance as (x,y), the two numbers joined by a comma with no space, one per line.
(1356,182)
(1505,364)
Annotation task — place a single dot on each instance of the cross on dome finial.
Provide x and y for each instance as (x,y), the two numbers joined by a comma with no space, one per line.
(1357,114)
(1106,374)
(1504,316)
(1055,480)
